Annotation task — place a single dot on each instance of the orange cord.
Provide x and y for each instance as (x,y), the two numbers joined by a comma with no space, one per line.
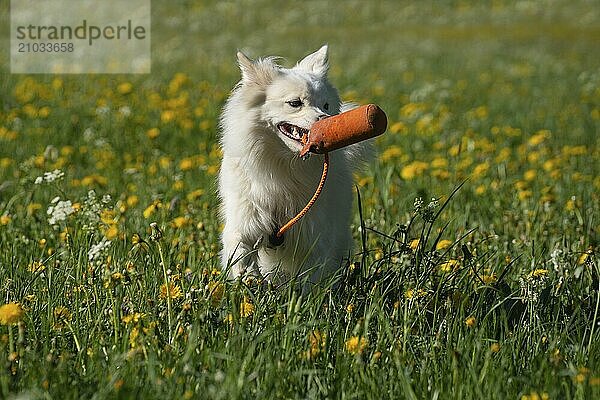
(310,203)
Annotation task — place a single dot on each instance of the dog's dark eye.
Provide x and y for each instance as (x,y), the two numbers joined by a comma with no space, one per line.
(295,103)
(326,106)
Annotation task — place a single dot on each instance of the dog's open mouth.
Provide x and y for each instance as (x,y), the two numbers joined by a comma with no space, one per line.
(292,131)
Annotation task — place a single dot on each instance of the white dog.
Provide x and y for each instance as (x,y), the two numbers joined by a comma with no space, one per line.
(263,182)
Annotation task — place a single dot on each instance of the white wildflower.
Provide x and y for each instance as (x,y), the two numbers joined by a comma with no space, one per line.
(88,134)
(50,177)
(418,203)
(433,204)
(557,259)
(97,250)
(59,210)
(103,110)
(125,111)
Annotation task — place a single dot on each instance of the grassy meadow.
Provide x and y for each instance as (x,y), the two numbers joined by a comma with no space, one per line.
(476,274)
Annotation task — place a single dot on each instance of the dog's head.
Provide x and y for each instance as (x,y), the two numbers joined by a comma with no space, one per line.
(289,101)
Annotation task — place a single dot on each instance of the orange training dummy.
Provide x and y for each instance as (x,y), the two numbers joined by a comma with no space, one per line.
(344,129)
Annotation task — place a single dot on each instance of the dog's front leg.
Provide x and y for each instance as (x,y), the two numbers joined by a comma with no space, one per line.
(239,258)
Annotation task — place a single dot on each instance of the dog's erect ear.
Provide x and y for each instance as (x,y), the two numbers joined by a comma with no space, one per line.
(260,72)
(316,62)
(246,64)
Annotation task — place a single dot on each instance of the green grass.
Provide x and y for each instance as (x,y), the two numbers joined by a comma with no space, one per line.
(494,112)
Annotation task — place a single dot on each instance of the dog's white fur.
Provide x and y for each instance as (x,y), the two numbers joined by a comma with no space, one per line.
(263,182)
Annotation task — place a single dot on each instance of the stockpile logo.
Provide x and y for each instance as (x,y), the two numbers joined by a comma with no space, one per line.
(80,36)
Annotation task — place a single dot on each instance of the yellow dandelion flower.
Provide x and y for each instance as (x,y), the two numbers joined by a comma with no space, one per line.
(44,112)
(481,189)
(180,222)
(539,137)
(178,185)
(132,200)
(524,194)
(414,169)
(195,194)
(449,265)
(36,267)
(412,294)
(125,88)
(136,239)
(62,316)
(153,133)
(356,345)
(133,335)
(113,280)
(246,308)
(411,109)
(481,112)
(171,291)
(440,174)
(443,244)
(5,162)
(317,341)
(470,322)
(39,161)
(398,127)
(151,209)
(64,235)
(167,116)
(480,170)
(584,257)
(212,170)
(414,244)
(350,308)
(487,279)
(216,291)
(439,162)
(494,347)
(107,216)
(390,153)
(186,164)
(5,219)
(530,175)
(111,232)
(132,318)
(94,179)
(571,204)
(204,125)
(539,273)
(11,314)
